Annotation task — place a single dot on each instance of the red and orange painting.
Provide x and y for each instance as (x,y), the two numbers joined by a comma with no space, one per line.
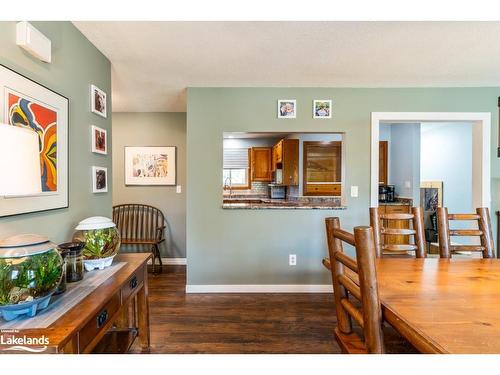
(42,120)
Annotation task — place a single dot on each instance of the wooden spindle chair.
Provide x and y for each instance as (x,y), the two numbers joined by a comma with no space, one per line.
(140,224)
(484,232)
(355,278)
(417,231)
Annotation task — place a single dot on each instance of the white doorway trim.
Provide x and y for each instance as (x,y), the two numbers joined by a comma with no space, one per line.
(481,148)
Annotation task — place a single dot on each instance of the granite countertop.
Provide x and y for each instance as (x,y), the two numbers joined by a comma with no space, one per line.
(280,204)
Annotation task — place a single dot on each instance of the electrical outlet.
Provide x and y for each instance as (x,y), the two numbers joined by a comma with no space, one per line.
(178,189)
(354,191)
(292,260)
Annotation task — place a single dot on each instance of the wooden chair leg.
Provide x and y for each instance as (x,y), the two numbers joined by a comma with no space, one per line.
(153,261)
(158,255)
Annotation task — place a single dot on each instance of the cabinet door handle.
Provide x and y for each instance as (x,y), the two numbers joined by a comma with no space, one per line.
(102,318)
(133,282)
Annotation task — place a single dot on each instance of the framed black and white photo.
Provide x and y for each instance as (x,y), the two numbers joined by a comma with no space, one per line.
(98,101)
(99,140)
(287,108)
(99,180)
(322,108)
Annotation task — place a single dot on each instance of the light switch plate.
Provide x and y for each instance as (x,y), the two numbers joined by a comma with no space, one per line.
(178,189)
(354,191)
(408,184)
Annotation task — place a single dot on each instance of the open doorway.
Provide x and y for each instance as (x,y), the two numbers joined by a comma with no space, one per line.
(431,160)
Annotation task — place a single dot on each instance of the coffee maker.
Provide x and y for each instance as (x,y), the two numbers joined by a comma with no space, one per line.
(386,193)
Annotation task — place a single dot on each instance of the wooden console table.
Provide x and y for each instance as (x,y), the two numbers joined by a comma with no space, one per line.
(107,320)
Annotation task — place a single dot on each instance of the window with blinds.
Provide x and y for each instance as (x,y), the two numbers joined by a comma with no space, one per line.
(236,166)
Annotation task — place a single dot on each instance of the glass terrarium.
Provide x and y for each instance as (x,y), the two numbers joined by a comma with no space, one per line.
(102,241)
(30,271)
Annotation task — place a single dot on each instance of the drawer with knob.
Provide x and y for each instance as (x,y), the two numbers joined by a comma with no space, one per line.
(96,324)
(323,189)
(133,284)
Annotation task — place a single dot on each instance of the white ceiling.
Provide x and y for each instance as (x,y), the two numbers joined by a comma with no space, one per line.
(154,62)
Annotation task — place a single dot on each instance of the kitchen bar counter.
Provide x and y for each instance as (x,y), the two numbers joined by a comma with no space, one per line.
(280,204)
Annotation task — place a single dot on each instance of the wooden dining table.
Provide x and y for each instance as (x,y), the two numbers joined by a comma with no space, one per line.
(443,305)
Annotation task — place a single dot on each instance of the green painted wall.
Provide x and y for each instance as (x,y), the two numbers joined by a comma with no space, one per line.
(153,129)
(76,64)
(252,247)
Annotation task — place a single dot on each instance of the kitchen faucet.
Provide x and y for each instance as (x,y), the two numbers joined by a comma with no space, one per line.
(230,186)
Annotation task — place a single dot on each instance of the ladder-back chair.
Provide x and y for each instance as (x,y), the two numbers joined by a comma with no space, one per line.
(417,231)
(356,278)
(484,232)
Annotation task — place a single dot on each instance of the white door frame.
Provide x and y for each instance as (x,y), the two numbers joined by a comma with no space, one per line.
(481,144)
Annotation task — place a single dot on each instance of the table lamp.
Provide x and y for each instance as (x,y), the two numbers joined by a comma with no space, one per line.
(19,162)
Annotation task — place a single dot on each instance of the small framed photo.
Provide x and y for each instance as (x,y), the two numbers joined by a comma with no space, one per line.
(287,108)
(98,101)
(99,140)
(322,108)
(99,180)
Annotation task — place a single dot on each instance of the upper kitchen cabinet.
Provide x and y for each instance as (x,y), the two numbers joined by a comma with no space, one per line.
(261,164)
(322,168)
(286,162)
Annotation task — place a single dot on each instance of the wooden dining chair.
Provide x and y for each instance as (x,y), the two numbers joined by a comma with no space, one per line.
(484,232)
(417,231)
(358,281)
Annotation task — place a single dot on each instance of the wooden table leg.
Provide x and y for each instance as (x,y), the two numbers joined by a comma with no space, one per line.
(143,314)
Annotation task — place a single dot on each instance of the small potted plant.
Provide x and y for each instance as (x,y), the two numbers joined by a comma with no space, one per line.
(102,241)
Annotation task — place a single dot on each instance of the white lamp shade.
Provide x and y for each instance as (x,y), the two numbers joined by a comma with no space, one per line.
(19,162)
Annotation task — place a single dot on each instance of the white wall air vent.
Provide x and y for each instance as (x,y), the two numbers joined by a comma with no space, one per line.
(33,41)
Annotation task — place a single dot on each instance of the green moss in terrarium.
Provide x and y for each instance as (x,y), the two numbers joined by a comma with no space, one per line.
(28,278)
(100,243)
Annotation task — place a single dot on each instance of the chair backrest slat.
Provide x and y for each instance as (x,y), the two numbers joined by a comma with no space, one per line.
(138,222)
(359,280)
(484,232)
(417,232)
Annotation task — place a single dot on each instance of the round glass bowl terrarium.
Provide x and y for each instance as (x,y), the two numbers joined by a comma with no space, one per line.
(30,271)
(102,241)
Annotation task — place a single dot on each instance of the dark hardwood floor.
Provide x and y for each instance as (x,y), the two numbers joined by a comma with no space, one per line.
(236,323)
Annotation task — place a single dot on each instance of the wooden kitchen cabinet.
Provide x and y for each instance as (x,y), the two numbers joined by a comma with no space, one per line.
(277,154)
(261,164)
(285,156)
(395,224)
(322,168)
(383,157)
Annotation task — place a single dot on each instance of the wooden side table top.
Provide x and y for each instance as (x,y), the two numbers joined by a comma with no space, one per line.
(67,327)
(443,305)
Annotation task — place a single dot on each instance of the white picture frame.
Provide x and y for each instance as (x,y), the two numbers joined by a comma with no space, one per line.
(322,108)
(55,186)
(151,165)
(287,108)
(99,139)
(98,101)
(99,179)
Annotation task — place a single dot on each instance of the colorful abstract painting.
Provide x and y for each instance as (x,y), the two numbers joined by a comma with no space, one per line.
(42,120)
(150,165)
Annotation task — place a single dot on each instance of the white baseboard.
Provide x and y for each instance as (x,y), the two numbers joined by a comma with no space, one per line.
(172,261)
(258,288)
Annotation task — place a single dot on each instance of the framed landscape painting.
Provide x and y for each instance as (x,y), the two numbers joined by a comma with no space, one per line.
(27,104)
(154,165)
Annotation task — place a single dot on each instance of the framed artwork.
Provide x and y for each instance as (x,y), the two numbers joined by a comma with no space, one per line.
(27,104)
(322,108)
(99,180)
(99,140)
(98,101)
(150,165)
(287,108)
(431,195)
